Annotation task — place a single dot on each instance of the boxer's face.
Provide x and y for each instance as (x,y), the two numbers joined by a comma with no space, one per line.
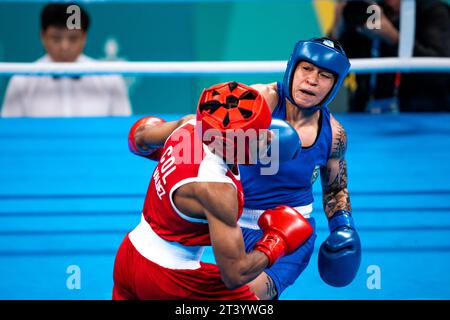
(310,84)
(63,45)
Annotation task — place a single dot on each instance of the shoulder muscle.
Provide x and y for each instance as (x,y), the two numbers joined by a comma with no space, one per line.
(339,139)
(269,92)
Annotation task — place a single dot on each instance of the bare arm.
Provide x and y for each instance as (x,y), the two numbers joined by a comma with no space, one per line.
(334,175)
(269,92)
(220,207)
(149,136)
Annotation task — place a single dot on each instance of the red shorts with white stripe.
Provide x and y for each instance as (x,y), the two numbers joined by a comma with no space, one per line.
(136,277)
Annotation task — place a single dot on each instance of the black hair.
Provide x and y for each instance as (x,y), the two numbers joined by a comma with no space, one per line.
(55,14)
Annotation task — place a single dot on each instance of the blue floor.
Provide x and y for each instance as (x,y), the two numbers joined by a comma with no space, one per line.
(70,190)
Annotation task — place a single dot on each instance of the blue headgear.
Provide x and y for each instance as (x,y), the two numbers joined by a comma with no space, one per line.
(323,53)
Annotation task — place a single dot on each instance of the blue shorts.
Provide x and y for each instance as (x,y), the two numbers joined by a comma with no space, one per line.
(287,269)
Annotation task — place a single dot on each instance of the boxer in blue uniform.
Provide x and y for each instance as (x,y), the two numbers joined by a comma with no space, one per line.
(314,75)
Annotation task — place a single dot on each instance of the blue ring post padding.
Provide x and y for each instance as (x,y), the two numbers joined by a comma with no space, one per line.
(341,218)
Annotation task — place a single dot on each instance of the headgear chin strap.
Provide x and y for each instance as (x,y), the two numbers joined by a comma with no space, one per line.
(323,53)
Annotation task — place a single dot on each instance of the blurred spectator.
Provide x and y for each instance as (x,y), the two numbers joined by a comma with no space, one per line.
(52,96)
(427,92)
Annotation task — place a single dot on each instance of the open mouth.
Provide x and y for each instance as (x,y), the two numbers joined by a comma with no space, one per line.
(310,93)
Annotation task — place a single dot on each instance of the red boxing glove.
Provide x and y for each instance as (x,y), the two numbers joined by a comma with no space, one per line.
(153,153)
(285,229)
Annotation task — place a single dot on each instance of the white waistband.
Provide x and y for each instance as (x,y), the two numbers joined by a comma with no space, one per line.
(249,218)
(167,254)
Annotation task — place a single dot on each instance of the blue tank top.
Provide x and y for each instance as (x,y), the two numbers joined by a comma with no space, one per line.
(292,185)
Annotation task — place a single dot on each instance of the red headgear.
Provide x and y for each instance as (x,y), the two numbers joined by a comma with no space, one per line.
(232,109)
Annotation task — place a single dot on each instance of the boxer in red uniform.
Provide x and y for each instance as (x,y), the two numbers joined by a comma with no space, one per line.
(195,200)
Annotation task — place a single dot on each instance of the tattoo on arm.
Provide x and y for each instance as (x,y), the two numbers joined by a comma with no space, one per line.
(271,291)
(334,175)
(340,180)
(339,143)
(335,192)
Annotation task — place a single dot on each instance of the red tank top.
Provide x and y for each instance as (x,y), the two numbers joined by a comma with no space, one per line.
(185,159)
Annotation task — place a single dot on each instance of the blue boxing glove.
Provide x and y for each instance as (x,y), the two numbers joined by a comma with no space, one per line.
(340,253)
(286,143)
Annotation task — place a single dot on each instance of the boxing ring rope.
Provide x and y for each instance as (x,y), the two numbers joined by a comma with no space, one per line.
(204,68)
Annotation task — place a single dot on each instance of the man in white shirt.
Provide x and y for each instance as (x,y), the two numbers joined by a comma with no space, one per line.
(48,96)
